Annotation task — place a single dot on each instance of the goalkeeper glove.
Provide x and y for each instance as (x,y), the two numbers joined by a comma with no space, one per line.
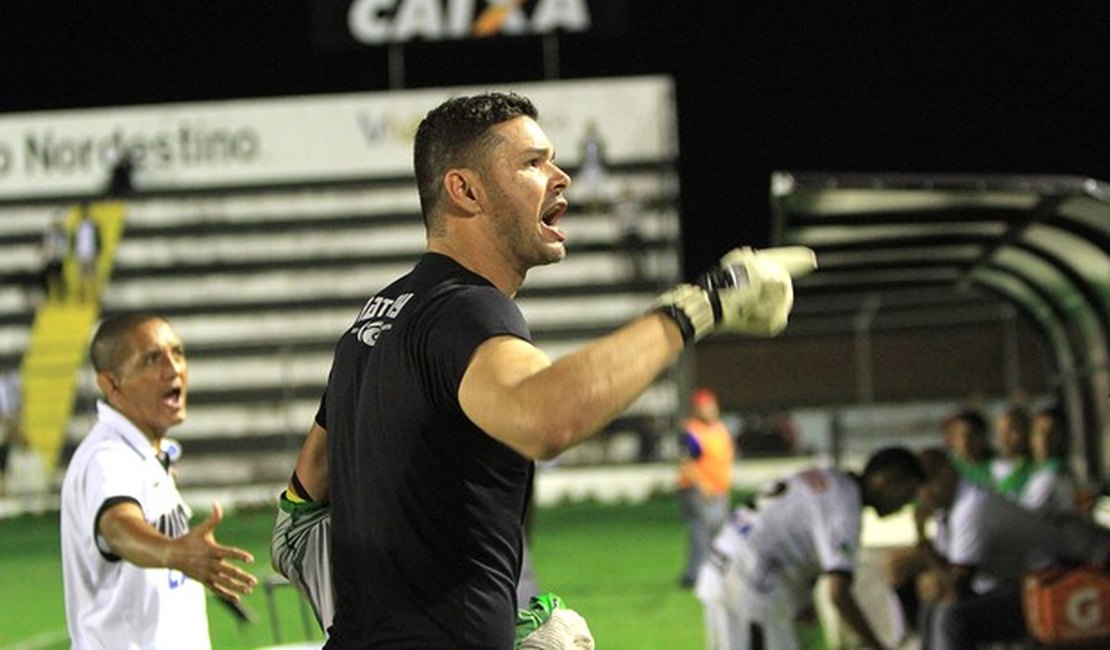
(565,629)
(749,292)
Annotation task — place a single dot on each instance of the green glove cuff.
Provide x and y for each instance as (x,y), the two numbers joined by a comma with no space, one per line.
(539,610)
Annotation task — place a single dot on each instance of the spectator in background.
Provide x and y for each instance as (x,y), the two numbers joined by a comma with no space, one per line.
(629,211)
(86,252)
(11,404)
(704,478)
(591,183)
(1010,467)
(1051,485)
(120,181)
(965,434)
(53,250)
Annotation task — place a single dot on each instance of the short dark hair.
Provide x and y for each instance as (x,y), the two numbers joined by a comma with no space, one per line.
(108,349)
(453,133)
(934,460)
(895,460)
(974,420)
(1058,439)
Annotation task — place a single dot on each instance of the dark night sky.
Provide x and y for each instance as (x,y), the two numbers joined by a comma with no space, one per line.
(1003,87)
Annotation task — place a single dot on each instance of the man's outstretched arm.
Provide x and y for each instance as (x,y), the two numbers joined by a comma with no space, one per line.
(196,554)
(513,391)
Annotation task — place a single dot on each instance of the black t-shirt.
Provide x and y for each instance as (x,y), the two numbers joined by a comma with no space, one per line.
(427,509)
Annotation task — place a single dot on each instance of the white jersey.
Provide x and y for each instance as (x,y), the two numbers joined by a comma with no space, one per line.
(111,603)
(798,529)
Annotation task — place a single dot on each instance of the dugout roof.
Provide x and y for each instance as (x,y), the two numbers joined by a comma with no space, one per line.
(928,248)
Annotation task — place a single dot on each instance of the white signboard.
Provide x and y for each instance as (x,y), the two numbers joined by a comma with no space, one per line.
(299,139)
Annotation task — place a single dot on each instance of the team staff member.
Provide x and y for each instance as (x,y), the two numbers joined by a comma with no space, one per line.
(966,435)
(1011,466)
(1051,486)
(771,552)
(132,568)
(437,402)
(704,478)
(985,545)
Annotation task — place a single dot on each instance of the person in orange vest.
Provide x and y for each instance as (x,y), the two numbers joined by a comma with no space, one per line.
(704,478)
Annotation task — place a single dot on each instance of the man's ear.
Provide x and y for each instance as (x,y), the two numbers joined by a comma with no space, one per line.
(464,189)
(106,382)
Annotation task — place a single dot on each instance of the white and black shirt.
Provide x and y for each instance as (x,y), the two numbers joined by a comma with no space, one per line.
(111,603)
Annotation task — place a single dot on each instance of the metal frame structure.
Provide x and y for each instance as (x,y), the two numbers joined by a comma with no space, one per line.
(948,244)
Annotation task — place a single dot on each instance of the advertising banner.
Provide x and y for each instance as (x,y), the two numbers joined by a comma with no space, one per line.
(347,24)
(304,139)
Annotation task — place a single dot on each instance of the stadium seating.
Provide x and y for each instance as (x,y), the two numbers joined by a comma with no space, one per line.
(260,284)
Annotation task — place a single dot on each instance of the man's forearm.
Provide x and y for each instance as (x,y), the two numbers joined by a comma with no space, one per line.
(589,388)
(853,616)
(850,612)
(136,541)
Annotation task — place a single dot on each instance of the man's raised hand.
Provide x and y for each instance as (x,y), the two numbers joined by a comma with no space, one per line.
(749,292)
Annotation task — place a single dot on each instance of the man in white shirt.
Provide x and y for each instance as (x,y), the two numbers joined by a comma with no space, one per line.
(1010,467)
(132,568)
(1051,486)
(767,558)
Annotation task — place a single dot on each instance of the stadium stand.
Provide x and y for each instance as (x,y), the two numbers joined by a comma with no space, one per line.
(260,284)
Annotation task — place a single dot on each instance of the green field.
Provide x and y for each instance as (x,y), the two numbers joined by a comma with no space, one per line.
(617,565)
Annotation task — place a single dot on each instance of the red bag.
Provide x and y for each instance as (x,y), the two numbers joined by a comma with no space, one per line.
(1068,605)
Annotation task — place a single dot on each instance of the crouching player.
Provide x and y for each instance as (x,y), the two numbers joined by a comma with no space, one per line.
(767,557)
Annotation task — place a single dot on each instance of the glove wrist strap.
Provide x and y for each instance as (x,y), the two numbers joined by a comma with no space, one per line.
(689,335)
(691,308)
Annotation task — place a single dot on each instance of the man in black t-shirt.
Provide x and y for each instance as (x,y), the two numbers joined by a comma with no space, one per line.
(438,403)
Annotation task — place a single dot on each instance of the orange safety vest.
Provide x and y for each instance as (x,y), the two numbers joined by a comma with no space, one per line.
(714,465)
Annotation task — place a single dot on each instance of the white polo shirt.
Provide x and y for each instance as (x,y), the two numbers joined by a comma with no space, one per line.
(111,603)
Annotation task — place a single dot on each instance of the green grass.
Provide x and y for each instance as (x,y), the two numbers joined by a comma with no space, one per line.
(32,609)
(618,565)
